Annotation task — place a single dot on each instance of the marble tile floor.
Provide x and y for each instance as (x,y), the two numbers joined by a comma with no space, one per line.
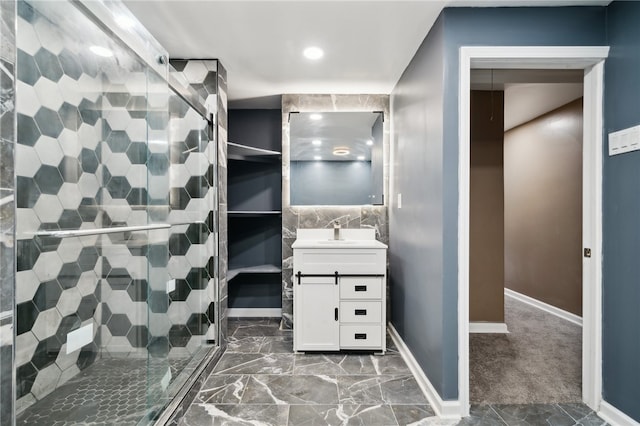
(260,381)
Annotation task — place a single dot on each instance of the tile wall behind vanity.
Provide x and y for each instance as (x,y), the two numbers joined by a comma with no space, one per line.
(294,217)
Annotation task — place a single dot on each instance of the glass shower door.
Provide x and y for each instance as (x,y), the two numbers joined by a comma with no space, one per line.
(135,195)
(182,285)
(115,298)
(85,236)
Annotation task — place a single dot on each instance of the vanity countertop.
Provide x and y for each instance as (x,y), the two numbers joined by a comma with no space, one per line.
(342,244)
(349,239)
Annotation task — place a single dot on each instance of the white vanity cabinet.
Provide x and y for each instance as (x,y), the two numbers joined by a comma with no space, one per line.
(316,318)
(339,289)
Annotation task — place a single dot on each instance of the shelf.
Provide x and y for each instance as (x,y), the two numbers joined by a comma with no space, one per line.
(236,151)
(248,213)
(254,202)
(259,269)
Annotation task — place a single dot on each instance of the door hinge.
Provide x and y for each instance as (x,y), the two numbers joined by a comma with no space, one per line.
(587,252)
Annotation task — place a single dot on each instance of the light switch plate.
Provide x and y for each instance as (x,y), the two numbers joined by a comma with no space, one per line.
(625,140)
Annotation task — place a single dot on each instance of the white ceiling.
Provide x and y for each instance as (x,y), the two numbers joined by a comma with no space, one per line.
(367,44)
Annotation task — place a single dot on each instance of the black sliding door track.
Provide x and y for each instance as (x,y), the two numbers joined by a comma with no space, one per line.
(336,275)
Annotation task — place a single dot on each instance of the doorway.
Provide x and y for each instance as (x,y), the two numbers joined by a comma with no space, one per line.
(591,61)
(525,236)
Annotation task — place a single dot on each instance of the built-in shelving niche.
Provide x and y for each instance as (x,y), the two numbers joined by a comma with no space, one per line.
(254,210)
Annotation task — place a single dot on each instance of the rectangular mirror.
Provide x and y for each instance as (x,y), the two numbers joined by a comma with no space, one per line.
(336,158)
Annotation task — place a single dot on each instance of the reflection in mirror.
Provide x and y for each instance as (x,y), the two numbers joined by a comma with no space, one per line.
(336,158)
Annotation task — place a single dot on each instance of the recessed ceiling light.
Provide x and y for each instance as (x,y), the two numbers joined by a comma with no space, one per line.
(101,51)
(314,53)
(317,158)
(360,157)
(316,142)
(370,142)
(315,116)
(341,150)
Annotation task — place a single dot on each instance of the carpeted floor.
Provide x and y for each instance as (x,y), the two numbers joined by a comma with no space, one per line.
(539,361)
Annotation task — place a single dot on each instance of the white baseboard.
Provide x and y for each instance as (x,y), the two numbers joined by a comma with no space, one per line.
(488,327)
(443,409)
(544,306)
(615,417)
(254,312)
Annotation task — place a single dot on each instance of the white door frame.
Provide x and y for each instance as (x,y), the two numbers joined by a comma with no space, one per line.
(591,59)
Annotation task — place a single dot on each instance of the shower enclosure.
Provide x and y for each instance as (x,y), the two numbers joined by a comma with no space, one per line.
(116,218)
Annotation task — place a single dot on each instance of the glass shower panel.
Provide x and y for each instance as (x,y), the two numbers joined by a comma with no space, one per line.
(136,177)
(92,324)
(60,185)
(192,245)
(153,202)
(192,208)
(105,342)
(116,286)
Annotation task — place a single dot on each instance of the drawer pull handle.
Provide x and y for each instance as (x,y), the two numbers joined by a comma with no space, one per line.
(361,336)
(361,288)
(361,312)
(335,314)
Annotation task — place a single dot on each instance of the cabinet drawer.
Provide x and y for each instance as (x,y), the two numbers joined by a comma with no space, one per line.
(361,312)
(360,336)
(360,288)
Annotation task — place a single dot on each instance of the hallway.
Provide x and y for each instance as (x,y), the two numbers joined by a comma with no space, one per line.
(539,361)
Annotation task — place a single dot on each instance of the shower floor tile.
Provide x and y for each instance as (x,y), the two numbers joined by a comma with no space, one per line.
(114,391)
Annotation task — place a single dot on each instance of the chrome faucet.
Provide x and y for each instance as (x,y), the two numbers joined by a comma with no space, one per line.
(336,230)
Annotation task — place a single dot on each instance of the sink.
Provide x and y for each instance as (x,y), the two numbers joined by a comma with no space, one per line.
(340,242)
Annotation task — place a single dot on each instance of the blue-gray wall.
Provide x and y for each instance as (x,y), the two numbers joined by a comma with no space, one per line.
(416,247)
(621,269)
(558,26)
(424,233)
